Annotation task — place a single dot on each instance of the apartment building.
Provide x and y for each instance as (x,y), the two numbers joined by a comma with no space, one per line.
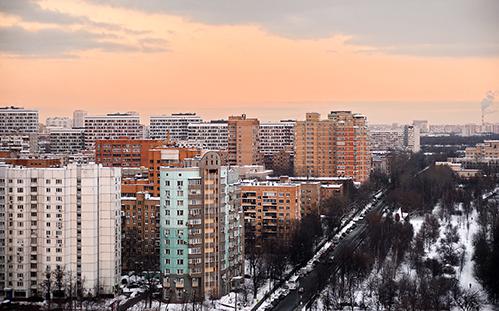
(173,127)
(16,120)
(111,126)
(488,150)
(314,147)
(270,209)
(422,125)
(66,140)
(386,139)
(208,135)
(149,153)
(140,226)
(124,152)
(412,138)
(79,118)
(276,136)
(201,233)
(351,145)
(19,143)
(243,141)
(59,122)
(66,217)
(337,146)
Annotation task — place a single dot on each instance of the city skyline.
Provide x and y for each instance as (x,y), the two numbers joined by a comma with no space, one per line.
(221,59)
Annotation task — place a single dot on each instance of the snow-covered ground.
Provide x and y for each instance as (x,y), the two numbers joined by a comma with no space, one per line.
(466,231)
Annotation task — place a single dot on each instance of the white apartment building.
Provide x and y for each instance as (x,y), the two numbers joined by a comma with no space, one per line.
(15,120)
(66,140)
(79,118)
(412,138)
(58,122)
(174,126)
(24,143)
(208,136)
(112,126)
(387,139)
(67,217)
(276,136)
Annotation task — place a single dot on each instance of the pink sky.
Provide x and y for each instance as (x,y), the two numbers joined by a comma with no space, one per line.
(163,63)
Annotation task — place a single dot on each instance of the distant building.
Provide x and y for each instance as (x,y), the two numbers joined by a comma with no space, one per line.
(148,153)
(112,126)
(19,143)
(66,217)
(15,120)
(412,138)
(488,150)
(276,136)
(66,140)
(79,118)
(422,125)
(315,190)
(201,234)
(388,139)
(208,135)
(59,122)
(337,146)
(314,147)
(174,127)
(243,141)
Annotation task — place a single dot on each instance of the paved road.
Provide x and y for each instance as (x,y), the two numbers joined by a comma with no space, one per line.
(313,282)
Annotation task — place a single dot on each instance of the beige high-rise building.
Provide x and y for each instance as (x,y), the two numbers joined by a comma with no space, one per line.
(243,140)
(337,146)
(314,140)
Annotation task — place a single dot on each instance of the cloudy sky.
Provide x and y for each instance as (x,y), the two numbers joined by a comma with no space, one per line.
(393,60)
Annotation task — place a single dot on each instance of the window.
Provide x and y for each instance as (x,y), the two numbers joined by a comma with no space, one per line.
(180,183)
(180,213)
(180,261)
(180,252)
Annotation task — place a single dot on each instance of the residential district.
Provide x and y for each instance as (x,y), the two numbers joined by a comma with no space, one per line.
(102,212)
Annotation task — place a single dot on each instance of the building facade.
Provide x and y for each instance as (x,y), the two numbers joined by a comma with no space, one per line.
(488,150)
(276,136)
(201,234)
(19,143)
(66,140)
(337,146)
(79,118)
(111,126)
(412,138)
(67,217)
(59,122)
(208,135)
(243,141)
(314,144)
(15,120)
(140,226)
(270,209)
(351,145)
(174,127)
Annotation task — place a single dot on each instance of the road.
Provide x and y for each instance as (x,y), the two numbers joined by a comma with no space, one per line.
(313,282)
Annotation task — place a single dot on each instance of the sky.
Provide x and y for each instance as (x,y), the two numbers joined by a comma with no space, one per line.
(392,60)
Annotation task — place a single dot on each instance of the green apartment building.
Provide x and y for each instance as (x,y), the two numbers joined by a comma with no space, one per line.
(201,229)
